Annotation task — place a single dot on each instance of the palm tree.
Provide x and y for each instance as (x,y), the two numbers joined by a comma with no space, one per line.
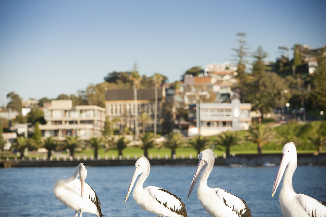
(72,142)
(144,118)
(50,144)
(199,143)
(96,143)
(121,144)
(21,144)
(227,139)
(173,141)
(148,142)
(136,79)
(158,80)
(260,135)
(319,141)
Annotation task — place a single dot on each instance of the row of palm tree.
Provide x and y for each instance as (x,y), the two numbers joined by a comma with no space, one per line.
(259,135)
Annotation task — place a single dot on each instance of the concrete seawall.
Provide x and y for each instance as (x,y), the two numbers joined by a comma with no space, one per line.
(271,159)
(241,159)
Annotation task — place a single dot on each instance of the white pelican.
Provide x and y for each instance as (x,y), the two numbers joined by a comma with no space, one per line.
(77,194)
(217,202)
(153,199)
(293,204)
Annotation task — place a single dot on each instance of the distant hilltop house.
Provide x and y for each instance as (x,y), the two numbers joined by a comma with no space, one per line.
(120,104)
(214,84)
(213,118)
(64,120)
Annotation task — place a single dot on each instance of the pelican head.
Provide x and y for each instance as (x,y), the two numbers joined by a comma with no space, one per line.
(82,176)
(142,164)
(205,157)
(289,152)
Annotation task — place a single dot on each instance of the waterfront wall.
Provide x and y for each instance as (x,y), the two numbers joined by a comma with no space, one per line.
(241,159)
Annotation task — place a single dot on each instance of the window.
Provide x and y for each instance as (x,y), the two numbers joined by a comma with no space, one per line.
(227,112)
(57,113)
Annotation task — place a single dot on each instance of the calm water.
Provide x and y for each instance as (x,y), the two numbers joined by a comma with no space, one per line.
(28,191)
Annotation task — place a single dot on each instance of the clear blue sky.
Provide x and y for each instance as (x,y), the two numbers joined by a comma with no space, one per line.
(55,46)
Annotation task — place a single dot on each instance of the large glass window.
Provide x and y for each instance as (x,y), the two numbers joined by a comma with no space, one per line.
(57,113)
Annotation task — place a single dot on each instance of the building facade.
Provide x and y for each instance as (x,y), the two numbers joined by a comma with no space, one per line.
(63,120)
(120,104)
(214,118)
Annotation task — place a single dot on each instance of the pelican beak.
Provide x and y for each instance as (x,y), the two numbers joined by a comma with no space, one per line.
(133,180)
(200,167)
(284,162)
(82,187)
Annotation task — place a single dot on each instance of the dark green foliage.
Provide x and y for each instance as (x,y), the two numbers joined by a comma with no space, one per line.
(15,102)
(147,142)
(37,136)
(36,115)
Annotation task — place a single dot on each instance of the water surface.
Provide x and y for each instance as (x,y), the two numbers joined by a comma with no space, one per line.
(28,191)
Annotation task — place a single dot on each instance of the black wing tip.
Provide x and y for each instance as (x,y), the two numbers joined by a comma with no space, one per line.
(97,203)
(247,209)
(182,211)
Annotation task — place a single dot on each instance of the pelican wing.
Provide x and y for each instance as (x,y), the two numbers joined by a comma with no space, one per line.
(313,207)
(168,200)
(92,203)
(236,204)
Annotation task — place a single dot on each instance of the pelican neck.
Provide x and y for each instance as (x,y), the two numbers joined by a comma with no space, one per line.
(142,178)
(204,177)
(288,175)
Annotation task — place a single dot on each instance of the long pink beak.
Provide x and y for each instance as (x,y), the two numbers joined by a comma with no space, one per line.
(279,175)
(133,180)
(200,167)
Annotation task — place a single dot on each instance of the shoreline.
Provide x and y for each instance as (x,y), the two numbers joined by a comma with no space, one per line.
(237,160)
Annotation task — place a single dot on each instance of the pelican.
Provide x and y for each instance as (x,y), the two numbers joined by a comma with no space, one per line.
(293,204)
(217,202)
(153,199)
(77,194)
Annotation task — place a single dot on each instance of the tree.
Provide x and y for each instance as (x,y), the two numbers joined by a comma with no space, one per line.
(72,143)
(96,143)
(260,135)
(36,115)
(136,79)
(173,141)
(63,97)
(121,144)
(199,143)
(15,102)
(37,136)
(147,142)
(21,144)
(181,113)
(50,144)
(145,118)
(158,80)
(241,53)
(108,125)
(258,67)
(228,139)
(42,101)
(194,71)
(319,141)
(320,80)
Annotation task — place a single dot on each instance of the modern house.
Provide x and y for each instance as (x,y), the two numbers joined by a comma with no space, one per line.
(64,120)
(213,118)
(120,104)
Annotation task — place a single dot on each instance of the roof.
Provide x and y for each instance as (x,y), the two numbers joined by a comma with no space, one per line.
(128,94)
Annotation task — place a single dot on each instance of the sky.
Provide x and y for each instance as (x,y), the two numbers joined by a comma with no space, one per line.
(57,47)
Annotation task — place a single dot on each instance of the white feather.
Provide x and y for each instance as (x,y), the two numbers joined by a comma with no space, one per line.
(313,207)
(235,203)
(165,198)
